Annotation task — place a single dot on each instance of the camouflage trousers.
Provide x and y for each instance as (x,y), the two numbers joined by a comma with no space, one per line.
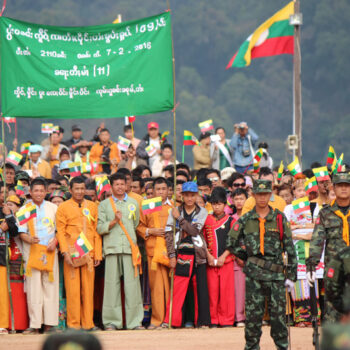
(256,291)
(331,315)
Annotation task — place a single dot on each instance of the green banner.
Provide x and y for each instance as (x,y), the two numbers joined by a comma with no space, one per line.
(104,71)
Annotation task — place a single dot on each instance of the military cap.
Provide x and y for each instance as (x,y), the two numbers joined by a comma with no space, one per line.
(22,175)
(262,186)
(341,178)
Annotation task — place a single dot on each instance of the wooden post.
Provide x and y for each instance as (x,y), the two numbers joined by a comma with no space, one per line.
(174,147)
(297,117)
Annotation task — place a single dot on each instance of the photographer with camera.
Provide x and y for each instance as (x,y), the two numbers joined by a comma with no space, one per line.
(243,142)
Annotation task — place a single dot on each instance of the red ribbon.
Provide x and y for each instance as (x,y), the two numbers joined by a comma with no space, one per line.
(3,8)
(174,109)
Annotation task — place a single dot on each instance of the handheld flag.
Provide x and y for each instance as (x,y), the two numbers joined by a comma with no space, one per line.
(89,168)
(321,173)
(151,205)
(258,155)
(311,185)
(25,148)
(82,246)
(206,126)
(19,188)
(280,171)
(9,120)
(338,165)
(55,128)
(46,128)
(273,37)
(26,214)
(102,185)
(123,143)
(164,136)
(13,158)
(256,166)
(74,169)
(151,150)
(301,205)
(330,156)
(131,119)
(294,167)
(189,139)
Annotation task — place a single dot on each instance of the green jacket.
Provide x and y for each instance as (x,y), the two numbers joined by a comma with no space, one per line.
(328,232)
(114,240)
(337,281)
(244,242)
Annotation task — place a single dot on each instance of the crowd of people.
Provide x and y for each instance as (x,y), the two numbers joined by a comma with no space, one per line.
(79,253)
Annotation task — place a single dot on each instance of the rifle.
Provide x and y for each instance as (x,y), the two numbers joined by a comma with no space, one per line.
(314,316)
(285,259)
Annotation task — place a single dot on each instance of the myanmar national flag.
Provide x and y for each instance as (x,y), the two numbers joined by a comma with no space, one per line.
(280,171)
(25,148)
(256,166)
(46,128)
(13,158)
(294,167)
(338,165)
(151,150)
(258,155)
(206,126)
(102,185)
(89,168)
(151,205)
(301,205)
(273,37)
(164,136)
(330,156)
(74,169)
(189,139)
(321,173)
(311,185)
(82,246)
(25,214)
(123,143)
(19,188)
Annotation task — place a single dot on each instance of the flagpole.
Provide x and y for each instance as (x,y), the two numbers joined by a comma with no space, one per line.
(183,154)
(296,20)
(6,234)
(174,120)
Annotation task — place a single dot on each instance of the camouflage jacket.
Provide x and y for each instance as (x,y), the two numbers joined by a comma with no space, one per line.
(337,281)
(244,242)
(328,232)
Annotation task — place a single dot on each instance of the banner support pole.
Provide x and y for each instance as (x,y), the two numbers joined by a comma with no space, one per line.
(174,144)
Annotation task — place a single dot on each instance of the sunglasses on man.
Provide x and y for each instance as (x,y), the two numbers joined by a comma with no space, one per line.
(241,184)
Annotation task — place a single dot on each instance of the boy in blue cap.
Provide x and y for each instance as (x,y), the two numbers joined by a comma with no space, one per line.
(188,257)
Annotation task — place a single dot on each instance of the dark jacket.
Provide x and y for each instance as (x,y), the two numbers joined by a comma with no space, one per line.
(193,229)
(13,232)
(141,148)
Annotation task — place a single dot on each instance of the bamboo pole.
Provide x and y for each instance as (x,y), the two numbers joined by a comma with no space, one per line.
(174,144)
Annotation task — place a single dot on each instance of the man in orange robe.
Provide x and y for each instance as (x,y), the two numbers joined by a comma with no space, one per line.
(152,230)
(75,216)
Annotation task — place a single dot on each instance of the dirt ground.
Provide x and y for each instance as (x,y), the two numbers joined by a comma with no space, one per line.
(184,339)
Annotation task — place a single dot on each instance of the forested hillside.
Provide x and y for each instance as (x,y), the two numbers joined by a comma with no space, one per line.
(206,35)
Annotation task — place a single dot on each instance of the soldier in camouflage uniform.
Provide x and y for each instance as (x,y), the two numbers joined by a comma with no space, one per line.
(259,238)
(337,281)
(337,277)
(332,232)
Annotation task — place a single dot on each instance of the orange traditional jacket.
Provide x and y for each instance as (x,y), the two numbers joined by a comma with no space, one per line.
(96,153)
(150,222)
(70,223)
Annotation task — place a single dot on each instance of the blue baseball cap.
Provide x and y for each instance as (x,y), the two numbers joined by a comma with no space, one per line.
(64,164)
(189,186)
